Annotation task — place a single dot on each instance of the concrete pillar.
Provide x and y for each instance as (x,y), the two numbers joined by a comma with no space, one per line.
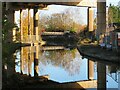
(37,56)
(101,76)
(36,62)
(21,26)
(29,63)
(1,45)
(21,61)
(35,18)
(90,70)
(31,59)
(10,17)
(35,65)
(101,20)
(118,80)
(90,19)
(29,32)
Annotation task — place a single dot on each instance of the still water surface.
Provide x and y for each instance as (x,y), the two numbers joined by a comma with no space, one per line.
(61,65)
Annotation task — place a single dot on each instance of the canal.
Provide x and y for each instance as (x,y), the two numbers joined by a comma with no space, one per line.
(62,65)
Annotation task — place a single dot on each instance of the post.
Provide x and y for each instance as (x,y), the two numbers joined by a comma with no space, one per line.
(90,70)
(1,45)
(101,20)
(10,10)
(90,19)
(35,18)
(35,65)
(29,32)
(101,76)
(118,80)
(36,57)
(21,61)
(21,26)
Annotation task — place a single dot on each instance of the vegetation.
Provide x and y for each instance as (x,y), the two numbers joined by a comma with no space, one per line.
(7,26)
(61,22)
(114,15)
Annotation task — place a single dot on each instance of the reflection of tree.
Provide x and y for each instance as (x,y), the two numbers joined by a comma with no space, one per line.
(113,68)
(62,58)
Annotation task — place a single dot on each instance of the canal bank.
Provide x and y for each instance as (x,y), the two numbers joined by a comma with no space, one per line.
(97,53)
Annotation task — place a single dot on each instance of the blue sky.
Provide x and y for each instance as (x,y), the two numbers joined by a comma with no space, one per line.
(115,2)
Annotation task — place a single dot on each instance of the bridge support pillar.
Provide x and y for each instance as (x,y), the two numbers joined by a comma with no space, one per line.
(101,76)
(21,61)
(1,46)
(11,20)
(90,70)
(21,25)
(118,80)
(36,57)
(90,19)
(35,18)
(101,20)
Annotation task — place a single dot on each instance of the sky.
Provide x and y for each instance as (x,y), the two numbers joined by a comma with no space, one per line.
(115,2)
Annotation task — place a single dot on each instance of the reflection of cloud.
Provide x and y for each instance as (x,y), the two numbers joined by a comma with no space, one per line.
(67,60)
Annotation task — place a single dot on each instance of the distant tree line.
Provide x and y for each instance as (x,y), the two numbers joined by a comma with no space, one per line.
(61,22)
(114,15)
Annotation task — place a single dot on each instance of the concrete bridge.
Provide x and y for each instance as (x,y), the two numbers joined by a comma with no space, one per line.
(15,6)
(101,26)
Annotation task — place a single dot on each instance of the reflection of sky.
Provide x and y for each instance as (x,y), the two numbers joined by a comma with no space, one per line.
(60,74)
(111,83)
(17,68)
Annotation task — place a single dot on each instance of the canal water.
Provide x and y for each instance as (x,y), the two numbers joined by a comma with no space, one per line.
(61,65)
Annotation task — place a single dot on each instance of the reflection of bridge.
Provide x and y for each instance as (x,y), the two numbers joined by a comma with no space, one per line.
(114,76)
(52,33)
(30,39)
(47,48)
(30,55)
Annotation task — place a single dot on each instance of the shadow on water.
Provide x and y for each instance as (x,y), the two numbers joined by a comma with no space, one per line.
(57,65)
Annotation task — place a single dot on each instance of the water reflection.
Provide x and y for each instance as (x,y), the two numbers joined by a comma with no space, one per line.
(63,65)
(68,63)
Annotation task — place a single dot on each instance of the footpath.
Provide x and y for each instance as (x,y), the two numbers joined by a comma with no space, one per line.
(97,53)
